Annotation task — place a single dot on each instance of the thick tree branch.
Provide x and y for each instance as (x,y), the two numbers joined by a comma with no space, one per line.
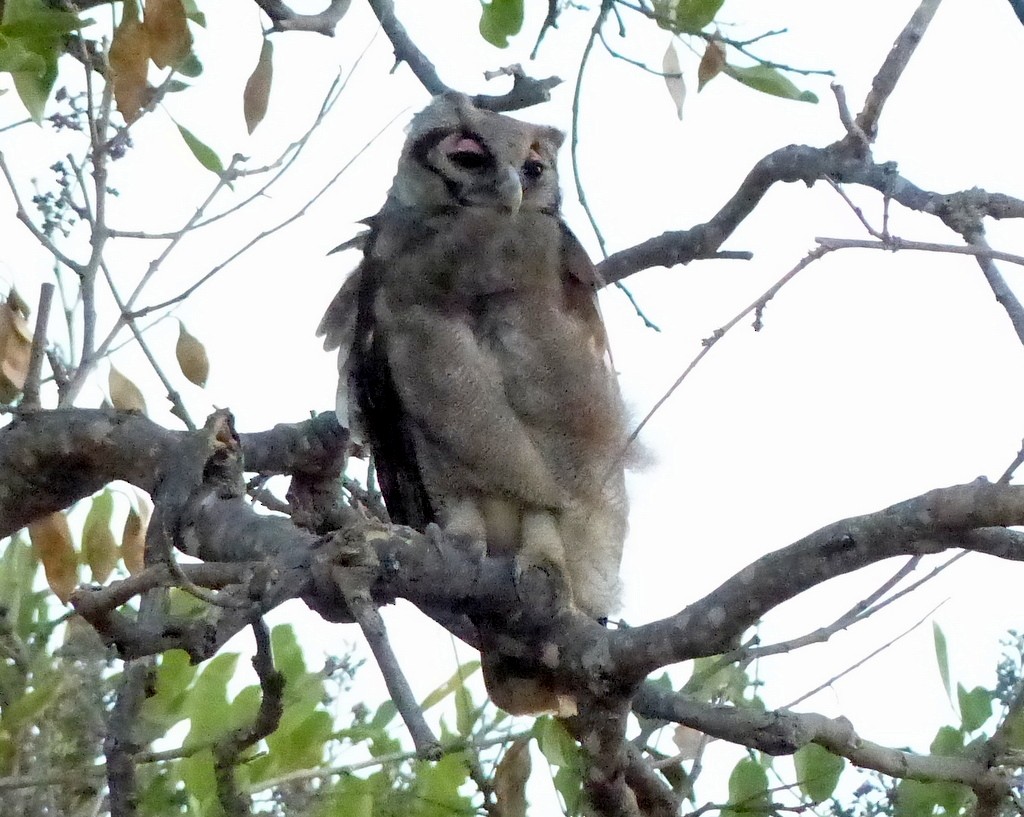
(525,92)
(284,18)
(802,163)
(194,479)
(935,521)
(783,732)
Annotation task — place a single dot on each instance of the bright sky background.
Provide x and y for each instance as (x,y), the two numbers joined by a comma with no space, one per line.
(876,377)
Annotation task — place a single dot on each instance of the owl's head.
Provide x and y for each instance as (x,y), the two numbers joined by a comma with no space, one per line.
(458,155)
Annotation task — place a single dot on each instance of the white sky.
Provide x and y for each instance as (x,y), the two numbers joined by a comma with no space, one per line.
(876,377)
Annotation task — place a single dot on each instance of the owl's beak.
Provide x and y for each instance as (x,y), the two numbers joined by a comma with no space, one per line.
(510,189)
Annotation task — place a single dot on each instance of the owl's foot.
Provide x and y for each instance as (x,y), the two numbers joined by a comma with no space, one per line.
(475,547)
(540,563)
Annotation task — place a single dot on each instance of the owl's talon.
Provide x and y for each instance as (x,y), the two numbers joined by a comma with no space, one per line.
(541,583)
(461,541)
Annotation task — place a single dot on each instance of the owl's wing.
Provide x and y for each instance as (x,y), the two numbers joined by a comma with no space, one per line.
(580,282)
(381,411)
(367,402)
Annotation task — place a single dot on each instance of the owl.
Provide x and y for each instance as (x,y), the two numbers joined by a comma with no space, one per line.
(474,361)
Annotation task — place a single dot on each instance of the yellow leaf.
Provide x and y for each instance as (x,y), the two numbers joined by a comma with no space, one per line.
(674,77)
(711,64)
(170,41)
(133,539)
(129,61)
(510,780)
(257,89)
(15,348)
(99,550)
(51,541)
(124,394)
(191,355)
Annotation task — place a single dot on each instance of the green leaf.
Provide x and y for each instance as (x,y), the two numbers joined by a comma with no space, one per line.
(466,712)
(914,799)
(942,657)
(197,774)
(748,788)
(975,707)
(28,708)
(38,30)
(691,16)
(1014,730)
(300,747)
(948,742)
(18,567)
(438,784)
(208,705)
(499,20)
(34,87)
(451,685)
(768,80)
(288,658)
(384,715)
(14,56)
(559,749)
(204,153)
(190,66)
(818,771)
(166,706)
(99,548)
(40,22)
(193,13)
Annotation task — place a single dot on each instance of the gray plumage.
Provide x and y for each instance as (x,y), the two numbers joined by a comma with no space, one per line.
(473,358)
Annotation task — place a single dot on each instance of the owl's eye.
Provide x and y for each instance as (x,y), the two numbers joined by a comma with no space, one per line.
(470,159)
(533,169)
(469,153)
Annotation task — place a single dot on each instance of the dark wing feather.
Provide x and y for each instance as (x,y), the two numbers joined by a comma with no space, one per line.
(383,415)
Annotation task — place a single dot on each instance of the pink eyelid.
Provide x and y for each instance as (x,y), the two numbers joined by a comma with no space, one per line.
(467,145)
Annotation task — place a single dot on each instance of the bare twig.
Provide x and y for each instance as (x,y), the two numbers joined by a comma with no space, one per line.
(755,307)
(895,243)
(30,394)
(284,18)
(864,660)
(372,625)
(892,69)
(526,91)
(260,236)
(228,751)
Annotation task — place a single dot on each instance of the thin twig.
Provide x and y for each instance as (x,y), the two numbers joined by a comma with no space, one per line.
(756,306)
(30,394)
(894,243)
(266,233)
(177,405)
(892,69)
(865,659)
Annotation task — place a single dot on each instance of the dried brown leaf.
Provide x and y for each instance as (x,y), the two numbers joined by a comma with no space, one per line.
(711,64)
(124,394)
(191,355)
(133,538)
(257,89)
(51,541)
(170,41)
(129,62)
(15,349)
(510,780)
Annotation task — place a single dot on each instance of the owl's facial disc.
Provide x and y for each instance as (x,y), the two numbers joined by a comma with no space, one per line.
(486,181)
